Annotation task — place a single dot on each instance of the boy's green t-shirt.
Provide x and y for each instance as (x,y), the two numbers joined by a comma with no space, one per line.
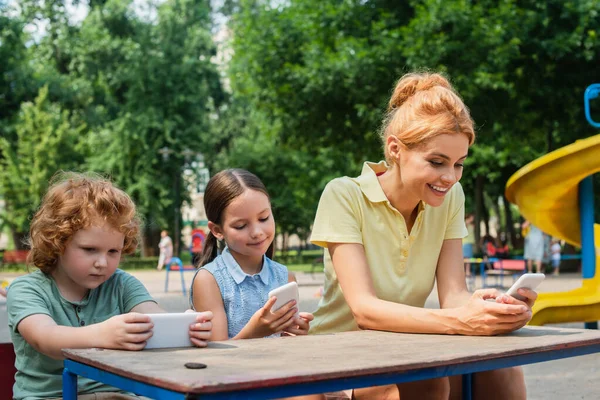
(39,376)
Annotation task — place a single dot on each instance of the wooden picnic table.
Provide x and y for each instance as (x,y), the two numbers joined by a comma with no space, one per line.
(273,368)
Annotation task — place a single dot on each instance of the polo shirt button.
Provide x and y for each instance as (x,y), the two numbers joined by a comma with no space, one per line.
(78,309)
(405,253)
(82,323)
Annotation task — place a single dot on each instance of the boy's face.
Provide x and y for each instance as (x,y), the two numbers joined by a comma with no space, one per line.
(91,256)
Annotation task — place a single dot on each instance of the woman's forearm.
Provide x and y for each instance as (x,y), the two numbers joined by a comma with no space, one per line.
(384,315)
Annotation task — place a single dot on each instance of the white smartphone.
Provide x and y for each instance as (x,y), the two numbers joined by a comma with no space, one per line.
(285,294)
(529,281)
(171,330)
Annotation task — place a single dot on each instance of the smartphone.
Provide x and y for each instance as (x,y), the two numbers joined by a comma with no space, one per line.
(529,281)
(171,330)
(285,294)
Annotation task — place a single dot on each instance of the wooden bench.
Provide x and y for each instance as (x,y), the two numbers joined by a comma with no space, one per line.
(15,256)
(503,267)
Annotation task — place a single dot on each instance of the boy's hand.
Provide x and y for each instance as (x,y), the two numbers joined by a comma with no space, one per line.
(301,324)
(125,332)
(201,330)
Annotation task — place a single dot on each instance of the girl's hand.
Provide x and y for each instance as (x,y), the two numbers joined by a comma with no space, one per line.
(485,318)
(266,322)
(125,332)
(301,324)
(201,330)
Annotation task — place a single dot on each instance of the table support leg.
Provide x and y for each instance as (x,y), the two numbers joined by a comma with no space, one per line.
(69,385)
(467,386)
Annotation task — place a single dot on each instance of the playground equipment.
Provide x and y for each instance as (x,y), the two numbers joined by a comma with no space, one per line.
(175,264)
(555,193)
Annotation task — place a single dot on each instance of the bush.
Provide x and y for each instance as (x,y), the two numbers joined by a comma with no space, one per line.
(138,263)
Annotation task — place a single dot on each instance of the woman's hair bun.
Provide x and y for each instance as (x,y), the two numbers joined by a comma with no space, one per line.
(414,82)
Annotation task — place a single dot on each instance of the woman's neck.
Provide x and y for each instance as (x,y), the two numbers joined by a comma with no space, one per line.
(398,196)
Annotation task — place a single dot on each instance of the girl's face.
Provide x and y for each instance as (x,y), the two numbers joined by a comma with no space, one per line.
(248,226)
(429,171)
(91,256)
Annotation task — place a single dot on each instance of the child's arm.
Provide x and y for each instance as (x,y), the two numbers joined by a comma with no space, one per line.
(148,307)
(126,332)
(207,297)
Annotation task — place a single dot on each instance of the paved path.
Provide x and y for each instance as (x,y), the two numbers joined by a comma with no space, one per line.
(571,378)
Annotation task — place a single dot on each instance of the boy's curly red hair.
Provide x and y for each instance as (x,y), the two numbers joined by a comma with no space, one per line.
(77,201)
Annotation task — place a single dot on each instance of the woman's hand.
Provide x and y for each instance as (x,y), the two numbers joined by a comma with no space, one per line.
(201,331)
(266,322)
(301,324)
(530,298)
(125,332)
(481,317)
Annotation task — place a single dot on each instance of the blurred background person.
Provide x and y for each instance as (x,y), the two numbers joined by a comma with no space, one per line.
(166,250)
(534,246)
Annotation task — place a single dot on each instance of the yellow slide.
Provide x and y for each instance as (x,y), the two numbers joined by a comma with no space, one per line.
(546,191)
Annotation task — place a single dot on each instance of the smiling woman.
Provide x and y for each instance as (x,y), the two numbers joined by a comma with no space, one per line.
(391,232)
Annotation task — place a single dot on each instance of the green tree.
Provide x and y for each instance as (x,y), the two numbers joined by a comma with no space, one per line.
(49,139)
(324,70)
(155,86)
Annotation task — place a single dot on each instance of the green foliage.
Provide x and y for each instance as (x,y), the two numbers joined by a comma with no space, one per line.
(322,71)
(309,81)
(157,87)
(49,139)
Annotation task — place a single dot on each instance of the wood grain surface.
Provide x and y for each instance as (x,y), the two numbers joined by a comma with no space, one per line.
(247,364)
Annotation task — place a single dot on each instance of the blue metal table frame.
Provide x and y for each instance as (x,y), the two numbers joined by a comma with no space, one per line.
(74,369)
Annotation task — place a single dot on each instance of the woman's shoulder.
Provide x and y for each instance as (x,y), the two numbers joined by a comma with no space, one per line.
(342,188)
(342,183)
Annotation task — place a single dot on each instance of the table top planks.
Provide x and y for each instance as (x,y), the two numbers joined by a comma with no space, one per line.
(248,364)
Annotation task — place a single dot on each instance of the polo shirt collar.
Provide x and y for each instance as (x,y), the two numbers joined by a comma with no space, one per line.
(369,184)
(238,274)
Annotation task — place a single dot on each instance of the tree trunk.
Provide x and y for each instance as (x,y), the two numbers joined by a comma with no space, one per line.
(510,228)
(149,241)
(20,239)
(479,207)
(486,216)
(284,244)
(499,227)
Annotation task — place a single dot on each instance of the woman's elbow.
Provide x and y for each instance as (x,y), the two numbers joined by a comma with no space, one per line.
(363,315)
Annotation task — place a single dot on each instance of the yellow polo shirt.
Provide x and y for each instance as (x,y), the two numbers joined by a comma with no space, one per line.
(403,265)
